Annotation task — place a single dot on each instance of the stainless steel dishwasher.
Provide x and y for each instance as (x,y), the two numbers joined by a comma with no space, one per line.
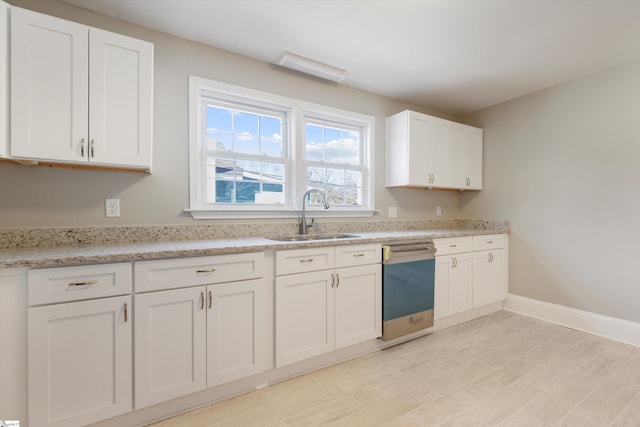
(408,273)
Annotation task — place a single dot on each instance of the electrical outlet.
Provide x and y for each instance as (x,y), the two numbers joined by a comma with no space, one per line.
(112,208)
(438,210)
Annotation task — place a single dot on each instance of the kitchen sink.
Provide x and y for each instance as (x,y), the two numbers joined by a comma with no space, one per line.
(311,237)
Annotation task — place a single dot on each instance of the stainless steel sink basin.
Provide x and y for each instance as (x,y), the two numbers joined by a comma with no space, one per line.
(311,237)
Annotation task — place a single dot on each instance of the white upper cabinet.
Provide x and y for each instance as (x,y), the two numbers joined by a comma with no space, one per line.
(79,94)
(466,157)
(430,152)
(4,82)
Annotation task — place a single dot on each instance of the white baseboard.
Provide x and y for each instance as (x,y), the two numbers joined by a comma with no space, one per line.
(597,324)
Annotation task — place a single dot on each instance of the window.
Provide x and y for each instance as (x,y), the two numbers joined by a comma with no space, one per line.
(333,161)
(245,155)
(254,155)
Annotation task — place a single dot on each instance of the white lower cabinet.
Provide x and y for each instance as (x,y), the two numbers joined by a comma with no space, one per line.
(194,337)
(489,269)
(328,309)
(471,272)
(304,316)
(79,362)
(170,345)
(79,345)
(453,290)
(235,344)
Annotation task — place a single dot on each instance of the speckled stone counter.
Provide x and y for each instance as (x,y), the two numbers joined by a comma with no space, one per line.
(29,248)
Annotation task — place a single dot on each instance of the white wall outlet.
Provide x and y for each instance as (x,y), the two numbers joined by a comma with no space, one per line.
(393,212)
(438,210)
(112,208)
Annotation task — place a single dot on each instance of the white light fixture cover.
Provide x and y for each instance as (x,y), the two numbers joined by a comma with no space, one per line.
(309,66)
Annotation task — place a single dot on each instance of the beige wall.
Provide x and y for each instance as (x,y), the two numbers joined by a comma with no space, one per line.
(37,197)
(563,165)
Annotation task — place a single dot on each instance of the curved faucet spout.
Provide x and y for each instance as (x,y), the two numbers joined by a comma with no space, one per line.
(303,223)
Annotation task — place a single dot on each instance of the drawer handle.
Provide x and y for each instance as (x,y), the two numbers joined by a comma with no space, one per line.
(79,284)
(453,246)
(126,312)
(306,261)
(333,280)
(337,280)
(201,300)
(210,300)
(211,270)
(489,242)
(358,255)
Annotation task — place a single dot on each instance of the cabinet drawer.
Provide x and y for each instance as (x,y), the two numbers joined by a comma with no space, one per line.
(195,271)
(303,260)
(353,255)
(62,284)
(452,245)
(489,241)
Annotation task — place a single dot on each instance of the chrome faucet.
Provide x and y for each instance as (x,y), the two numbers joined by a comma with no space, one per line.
(303,223)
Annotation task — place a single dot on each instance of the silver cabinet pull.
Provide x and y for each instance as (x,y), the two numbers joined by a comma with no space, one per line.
(210,270)
(78,284)
(453,246)
(333,280)
(82,147)
(337,280)
(93,143)
(210,300)
(126,312)
(488,256)
(358,255)
(201,300)
(490,242)
(305,261)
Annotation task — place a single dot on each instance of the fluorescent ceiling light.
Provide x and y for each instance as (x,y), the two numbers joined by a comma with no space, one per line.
(309,66)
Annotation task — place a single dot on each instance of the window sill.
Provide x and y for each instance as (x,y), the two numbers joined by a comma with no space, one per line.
(276,214)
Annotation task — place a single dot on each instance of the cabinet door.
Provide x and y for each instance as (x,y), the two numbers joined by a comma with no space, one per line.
(441,302)
(169,345)
(120,99)
(428,151)
(452,284)
(358,304)
(437,161)
(79,362)
(489,278)
(235,336)
(304,316)
(49,87)
(466,157)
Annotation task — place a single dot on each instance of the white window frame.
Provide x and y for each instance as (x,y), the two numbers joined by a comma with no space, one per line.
(295,182)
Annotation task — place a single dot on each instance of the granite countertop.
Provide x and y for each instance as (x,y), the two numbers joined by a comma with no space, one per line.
(56,256)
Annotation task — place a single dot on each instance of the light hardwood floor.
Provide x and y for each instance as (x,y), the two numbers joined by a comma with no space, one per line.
(500,370)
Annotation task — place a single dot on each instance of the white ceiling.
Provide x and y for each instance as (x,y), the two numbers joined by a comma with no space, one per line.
(454,56)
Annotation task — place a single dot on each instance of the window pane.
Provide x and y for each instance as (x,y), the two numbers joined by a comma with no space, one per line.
(313,142)
(335,176)
(224,180)
(245,181)
(271,147)
(316,177)
(273,188)
(351,147)
(335,195)
(218,119)
(332,145)
(271,136)
(219,141)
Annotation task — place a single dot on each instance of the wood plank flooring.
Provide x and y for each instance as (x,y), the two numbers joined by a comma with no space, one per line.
(500,370)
